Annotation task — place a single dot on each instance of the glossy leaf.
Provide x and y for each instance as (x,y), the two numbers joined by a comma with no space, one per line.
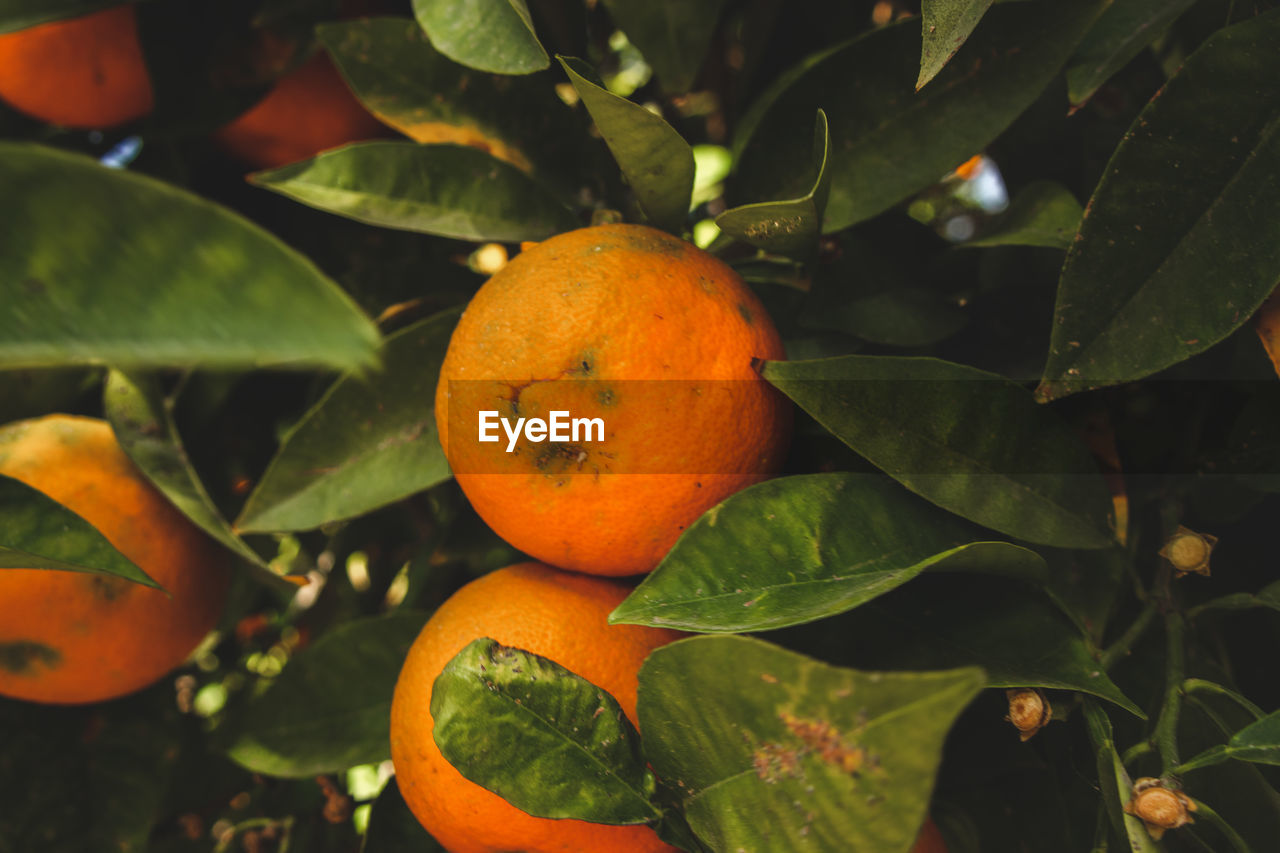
(548,741)
(746,730)
(330,708)
(419,91)
(1258,742)
(448,190)
(1043,214)
(1012,630)
(369,441)
(970,441)
(673,35)
(143,424)
(86,778)
(796,549)
(887,140)
(491,35)
(789,227)
(20,14)
(393,828)
(1120,34)
(37,532)
(99,265)
(947,24)
(1192,195)
(656,160)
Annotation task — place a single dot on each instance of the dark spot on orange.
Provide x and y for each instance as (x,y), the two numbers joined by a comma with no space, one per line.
(109,588)
(21,657)
(746,314)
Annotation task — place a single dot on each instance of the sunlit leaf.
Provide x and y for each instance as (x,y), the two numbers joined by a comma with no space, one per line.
(100,265)
(970,441)
(330,708)
(947,23)
(449,190)
(656,160)
(548,741)
(1192,195)
(796,549)
(491,35)
(745,730)
(369,441)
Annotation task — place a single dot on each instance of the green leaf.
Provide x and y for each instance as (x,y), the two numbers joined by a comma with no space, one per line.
(340,460)
(549,742)
(142,420)
(797,549)
(20,14)
(1268,596)
(1114,781)
(1257,742)
(37,532)
(330,708)
(887,140)
(100,265)
(1043,214)
(947,24)
(414,88)
(746,731)
(787,227)
(673,35)
(1013,630)
(970,441)
(1120,34)
(656,160)
(449,190)
(491,35)
(1191,195)
(393,828)
(86,778)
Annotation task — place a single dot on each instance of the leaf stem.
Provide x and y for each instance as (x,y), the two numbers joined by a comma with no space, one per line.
(1138,750)
(1165,734)
(1201,685)
(1215,820)
(1125,641)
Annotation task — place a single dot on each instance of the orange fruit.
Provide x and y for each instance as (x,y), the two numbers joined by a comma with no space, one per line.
(308,111)
(555,614)
(83,72)
(74,637)
(646,333)
(930,839)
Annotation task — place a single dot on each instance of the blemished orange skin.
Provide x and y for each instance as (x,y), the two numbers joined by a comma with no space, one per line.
(309,110)
(570,324)
(559,615)
(85,72)
(75,637)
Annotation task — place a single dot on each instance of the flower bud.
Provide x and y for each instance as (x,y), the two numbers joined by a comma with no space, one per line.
(1189,551)
(1029,710)
(1158,807)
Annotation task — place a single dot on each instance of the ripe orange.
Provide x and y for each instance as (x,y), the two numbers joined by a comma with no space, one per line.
(82,72)
(308,111)
(556,614)
(72,637)
(643,331)
(930,839)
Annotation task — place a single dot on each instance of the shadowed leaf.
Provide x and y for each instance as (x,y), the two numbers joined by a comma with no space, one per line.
(1043,214)
(673,35)
(1120,34)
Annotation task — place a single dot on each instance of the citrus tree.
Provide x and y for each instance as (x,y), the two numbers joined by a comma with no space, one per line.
(937,387)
